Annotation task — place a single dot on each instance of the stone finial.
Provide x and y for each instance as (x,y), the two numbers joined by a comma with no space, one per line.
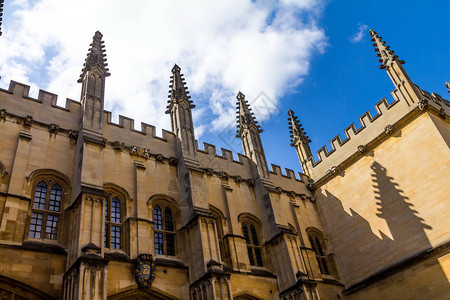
(385,53)
(1,14)
(178,89)
(96,57)
(447,85)
(245,117)
(296,130)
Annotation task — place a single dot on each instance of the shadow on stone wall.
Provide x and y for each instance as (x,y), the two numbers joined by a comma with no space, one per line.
(365,258)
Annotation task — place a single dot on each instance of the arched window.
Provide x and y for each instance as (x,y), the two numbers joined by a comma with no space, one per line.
(164,227)
(46,210)
(219,222)
(253,243)
(319,247)
(113,222)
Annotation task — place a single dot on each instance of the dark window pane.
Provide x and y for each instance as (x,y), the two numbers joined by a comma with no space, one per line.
(323,265)
(39,195)
(106,210)
(52,227)
(36,225)
(115,210)
(106,236)
(245,233)
(319,247)
(157,218)
(168,219)
(158,243)
(259,260)
(170,244)
(115,237)
(254,236)
(250,256)
(55,198)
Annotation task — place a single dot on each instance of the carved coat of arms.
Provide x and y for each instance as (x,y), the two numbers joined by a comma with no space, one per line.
(144,270)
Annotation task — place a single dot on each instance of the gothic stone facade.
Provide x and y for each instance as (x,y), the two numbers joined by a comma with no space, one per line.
(90,209)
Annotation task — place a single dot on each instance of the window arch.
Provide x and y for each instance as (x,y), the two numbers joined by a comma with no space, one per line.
(164,229)
(319,247)
(46,209)
(250,231)
(114,212)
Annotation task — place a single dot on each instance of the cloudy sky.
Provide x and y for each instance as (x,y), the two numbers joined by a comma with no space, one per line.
(312,56)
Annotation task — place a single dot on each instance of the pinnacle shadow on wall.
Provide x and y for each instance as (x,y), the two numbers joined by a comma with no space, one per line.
(365,258)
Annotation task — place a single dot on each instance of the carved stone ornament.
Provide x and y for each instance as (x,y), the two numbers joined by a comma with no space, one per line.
(279,190)
(292,194)
(53,128)
(3,114)
(143,152)
(144,270)
(118,145)
(28,120)
(335,170)
(238,179)
(442,113)
(73,134)
(389,129)
(173,161)
(362,149)
(251,182)
(310,186)
(423,104)
(224,175)
(159,157)
(209,171)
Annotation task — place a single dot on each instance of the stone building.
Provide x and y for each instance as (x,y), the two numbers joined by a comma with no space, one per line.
(90,209)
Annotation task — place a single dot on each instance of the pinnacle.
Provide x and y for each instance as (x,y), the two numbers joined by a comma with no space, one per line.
(1,14)
(447,85)
(96,57)
(245,116)
(384,52)
(178,89)
(296,130)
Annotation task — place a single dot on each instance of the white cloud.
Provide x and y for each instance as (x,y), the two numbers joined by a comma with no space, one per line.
(362,29)
(221,46)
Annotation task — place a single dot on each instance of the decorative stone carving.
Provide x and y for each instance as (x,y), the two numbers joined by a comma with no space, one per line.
(224,175)
(292,194)
(313,199)
(389,129)
(251,182)
(303,196)
(209,172)
(143,152)
(362,149)
(310,186)
(159,157)
(53,128)
(144,270)
(447,85)
(423,104)
(442,113)
(335,170)
(279,190)
(73,134)
(28,120)
(238,179)
(118,145)
(173,161)
(3,114)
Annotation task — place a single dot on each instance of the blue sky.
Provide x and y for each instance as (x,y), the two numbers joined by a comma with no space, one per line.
(306,55)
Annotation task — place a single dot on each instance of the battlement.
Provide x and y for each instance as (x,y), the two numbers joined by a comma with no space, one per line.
(289,174)
(20,90)
(371,128)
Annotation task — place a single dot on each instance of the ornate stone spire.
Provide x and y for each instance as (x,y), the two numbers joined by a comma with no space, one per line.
(447,85)
(1,15)
(178,89)
(300,141)
(296,130)
(96,58)
(385,53)
(245,117)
